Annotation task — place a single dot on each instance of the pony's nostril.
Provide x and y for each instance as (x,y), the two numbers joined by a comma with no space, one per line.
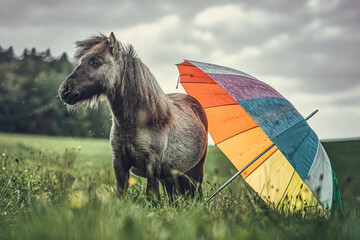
(70,97)
(65,89)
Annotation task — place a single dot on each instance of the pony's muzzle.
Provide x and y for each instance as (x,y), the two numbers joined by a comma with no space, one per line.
(68,96)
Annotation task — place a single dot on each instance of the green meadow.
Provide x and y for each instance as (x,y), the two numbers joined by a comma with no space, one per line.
(64,188)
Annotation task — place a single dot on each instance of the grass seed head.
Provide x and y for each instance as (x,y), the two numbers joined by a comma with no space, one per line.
(78,199)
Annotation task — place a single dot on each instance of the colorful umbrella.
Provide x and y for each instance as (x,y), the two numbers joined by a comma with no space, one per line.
(265,138)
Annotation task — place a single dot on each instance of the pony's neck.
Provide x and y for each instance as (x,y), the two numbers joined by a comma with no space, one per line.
(137,98)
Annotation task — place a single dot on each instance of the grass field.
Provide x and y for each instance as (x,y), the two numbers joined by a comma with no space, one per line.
(64,188)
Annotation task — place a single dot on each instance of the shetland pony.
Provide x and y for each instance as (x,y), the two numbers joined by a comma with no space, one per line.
(162,137)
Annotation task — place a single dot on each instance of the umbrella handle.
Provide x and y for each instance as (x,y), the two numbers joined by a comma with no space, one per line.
(239,172)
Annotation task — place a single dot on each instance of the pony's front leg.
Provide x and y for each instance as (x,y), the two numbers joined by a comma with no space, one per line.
(122,174)
(153,170)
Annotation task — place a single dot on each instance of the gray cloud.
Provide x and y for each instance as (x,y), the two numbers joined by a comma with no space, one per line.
(319,50)
(88,14)
(308,49)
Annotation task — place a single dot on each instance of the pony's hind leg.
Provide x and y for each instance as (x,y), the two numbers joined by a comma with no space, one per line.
(169,188)
(180,185)
(187,186)
(189,183)
(196,174)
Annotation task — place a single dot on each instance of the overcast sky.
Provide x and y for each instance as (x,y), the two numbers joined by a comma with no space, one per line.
(308,50)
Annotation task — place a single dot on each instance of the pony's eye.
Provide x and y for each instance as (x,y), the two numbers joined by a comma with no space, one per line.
(95,62)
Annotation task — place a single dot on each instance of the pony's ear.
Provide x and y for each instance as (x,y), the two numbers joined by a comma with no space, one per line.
(113,45)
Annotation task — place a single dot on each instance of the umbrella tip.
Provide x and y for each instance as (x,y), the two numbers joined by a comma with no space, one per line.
(312,114)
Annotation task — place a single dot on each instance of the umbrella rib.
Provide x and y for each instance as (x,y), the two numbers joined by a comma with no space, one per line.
(236,134)
(263,162)
(199,82)
(292,125)
(286,189)
(221,105)
(259,166)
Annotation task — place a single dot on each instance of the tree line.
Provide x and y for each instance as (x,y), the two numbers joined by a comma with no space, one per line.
(29,101)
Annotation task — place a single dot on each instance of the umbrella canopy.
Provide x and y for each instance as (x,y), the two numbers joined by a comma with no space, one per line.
(264,137)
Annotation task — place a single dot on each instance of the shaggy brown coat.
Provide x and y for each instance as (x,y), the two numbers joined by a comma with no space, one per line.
(157,136)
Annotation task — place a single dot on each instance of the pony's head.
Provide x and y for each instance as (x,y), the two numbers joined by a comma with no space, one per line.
(108,68)
(100,64)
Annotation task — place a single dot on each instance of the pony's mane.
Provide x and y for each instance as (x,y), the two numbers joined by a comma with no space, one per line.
(140,92)
(136,85)
(98,44)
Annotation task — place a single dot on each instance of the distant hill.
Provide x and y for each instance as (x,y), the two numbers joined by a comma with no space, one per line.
(28,97)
